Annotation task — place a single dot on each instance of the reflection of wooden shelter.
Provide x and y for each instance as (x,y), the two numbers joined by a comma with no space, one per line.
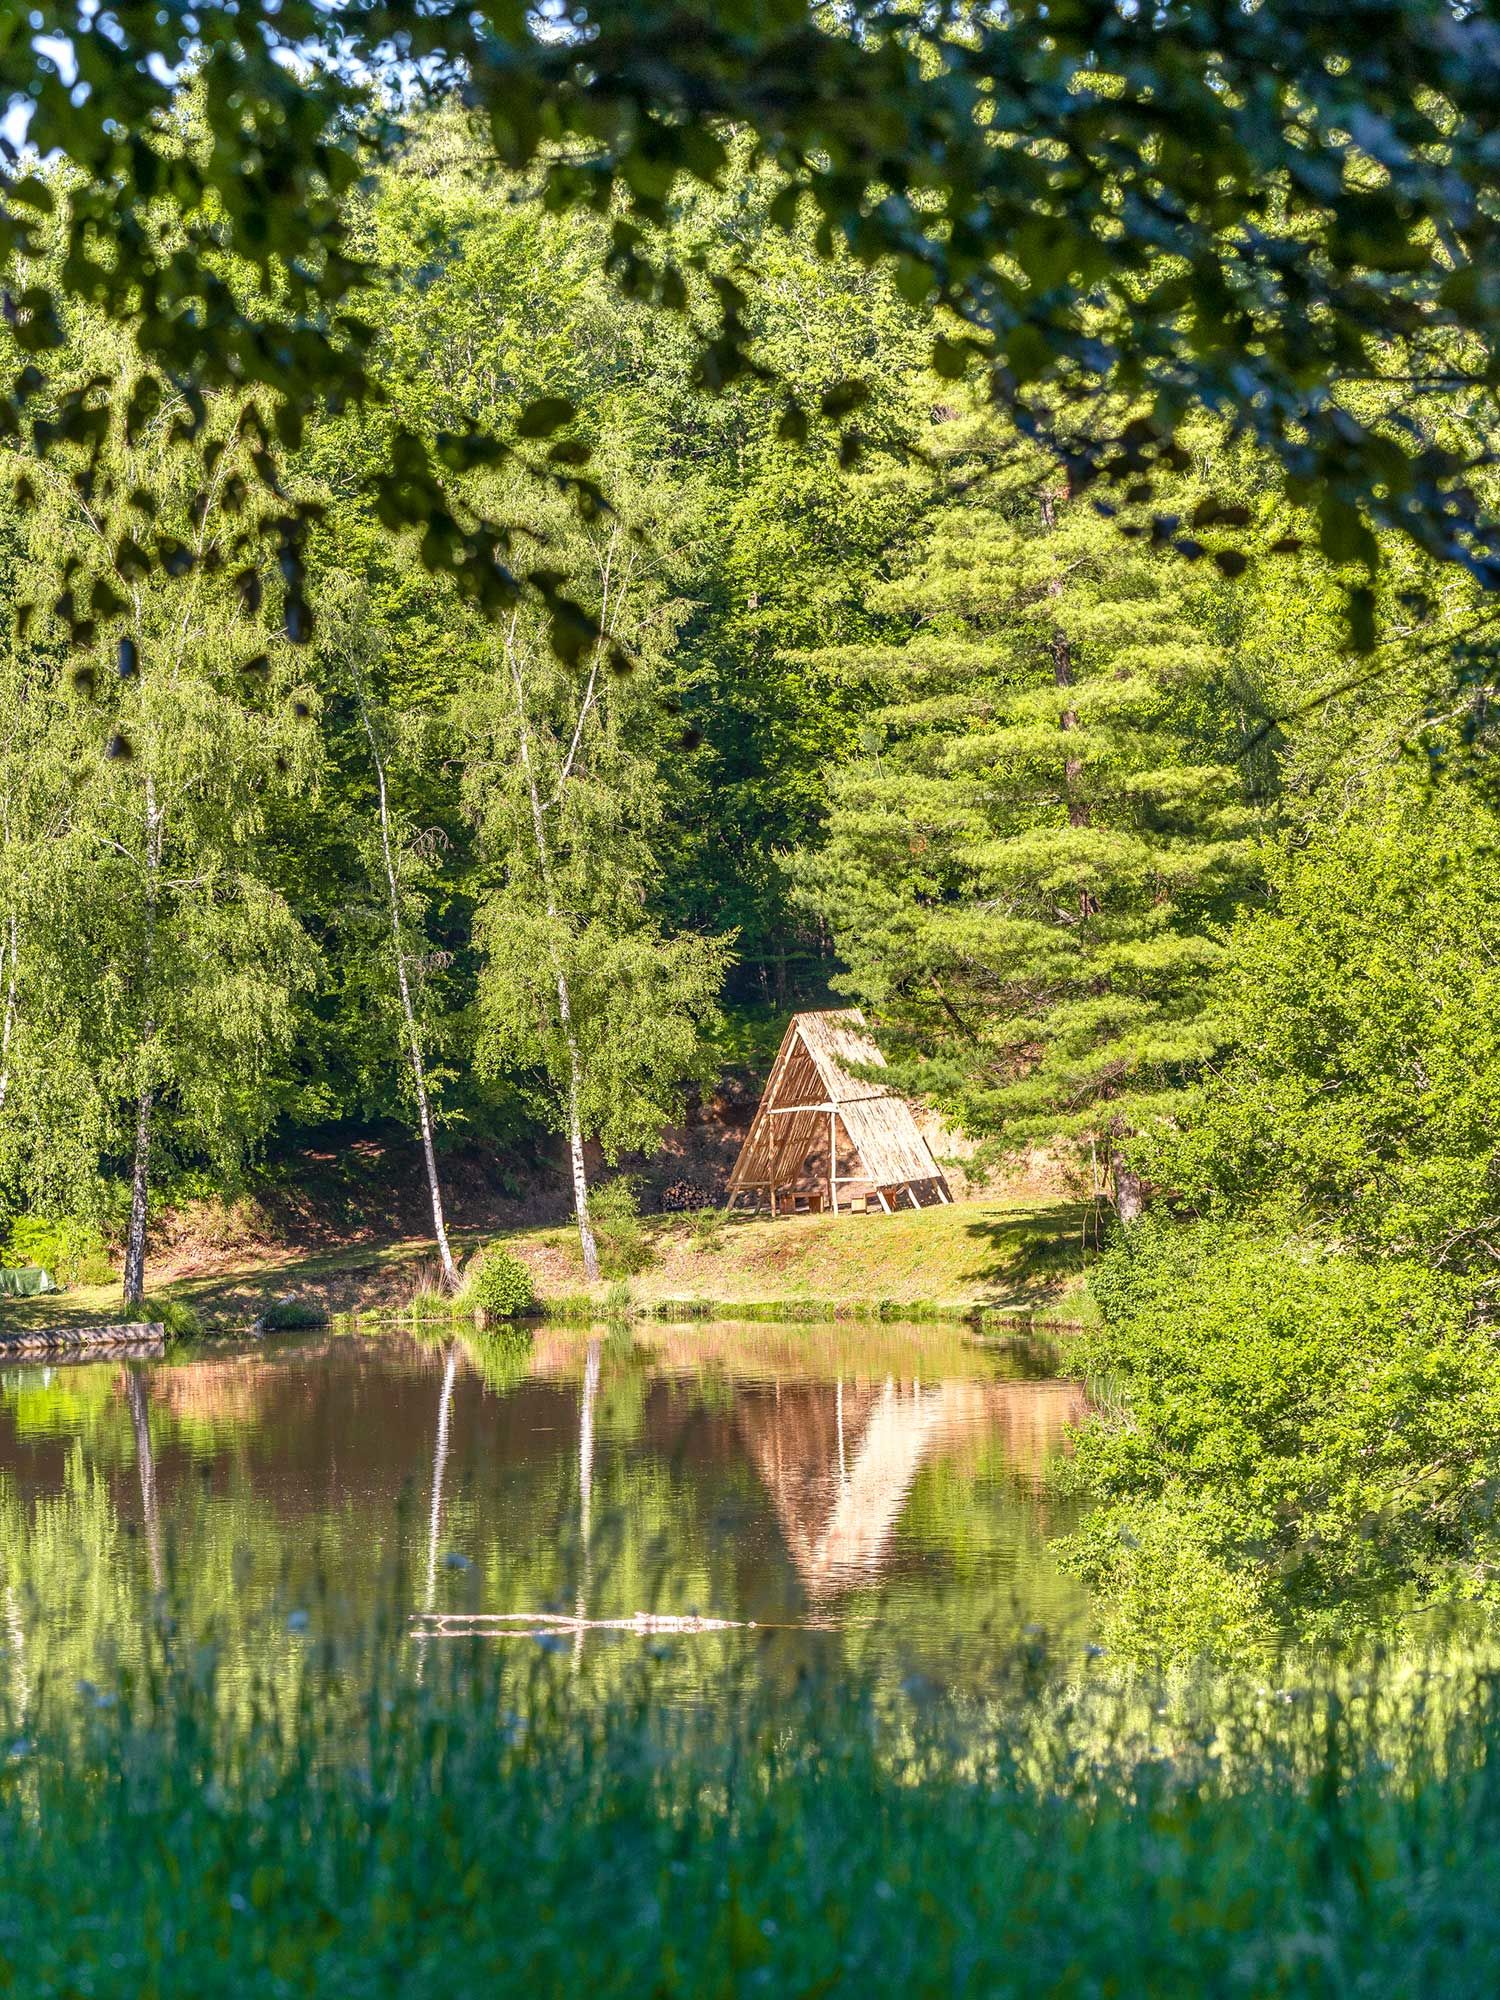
(839,1463)
(823,1135)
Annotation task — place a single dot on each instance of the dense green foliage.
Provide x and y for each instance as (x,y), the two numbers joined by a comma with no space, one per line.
(1362,1099)
(518,528)
(1259,211)
(471,833)
(1308,1438)
(1304,1426)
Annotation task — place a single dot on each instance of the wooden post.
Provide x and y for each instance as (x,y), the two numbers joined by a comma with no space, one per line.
(833,1163)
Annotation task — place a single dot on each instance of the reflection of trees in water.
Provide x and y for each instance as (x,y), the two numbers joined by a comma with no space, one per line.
(560,1492)
(212,1394)
(145,1460)
(586,1405)
(839,1461)
(439,1465)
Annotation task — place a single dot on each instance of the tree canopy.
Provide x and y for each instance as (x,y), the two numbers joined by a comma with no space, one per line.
(1283,214)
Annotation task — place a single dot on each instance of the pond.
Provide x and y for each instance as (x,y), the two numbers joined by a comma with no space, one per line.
(860,1499)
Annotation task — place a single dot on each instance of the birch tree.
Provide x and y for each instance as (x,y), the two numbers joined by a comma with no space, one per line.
(169,963)
(582,994)
(51,1128)
(387,844)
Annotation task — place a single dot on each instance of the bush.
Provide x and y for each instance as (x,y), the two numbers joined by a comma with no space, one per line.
(1313,1432)
(175,1316)
(614,1211)
(498,1285)
(707,1232)
(72,1251)
(292,1316)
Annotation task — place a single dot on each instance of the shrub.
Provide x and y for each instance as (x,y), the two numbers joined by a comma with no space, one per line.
(72,1251)
(707,1233)
(498,1285)
(175,1316)
(292,1316)
(614,1210)
(1314,1431)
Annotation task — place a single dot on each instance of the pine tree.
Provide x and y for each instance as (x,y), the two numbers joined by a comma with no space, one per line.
(1028,863)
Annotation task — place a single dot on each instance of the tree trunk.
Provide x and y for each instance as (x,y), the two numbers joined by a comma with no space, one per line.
(1130,1189)
(145,1459)
(408,1010)
(134,1284)
(135,1241)
(575,1144)
(10,957)
(564,998)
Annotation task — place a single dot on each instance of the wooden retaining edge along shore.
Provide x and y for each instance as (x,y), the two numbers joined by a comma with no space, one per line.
(148,1341)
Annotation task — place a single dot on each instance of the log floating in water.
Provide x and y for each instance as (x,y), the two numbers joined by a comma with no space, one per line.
(526,1622)
(648,1624)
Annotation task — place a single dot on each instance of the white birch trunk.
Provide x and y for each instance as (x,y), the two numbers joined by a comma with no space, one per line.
(574,1089)
(408,1011)
(135,1242)
(10,957)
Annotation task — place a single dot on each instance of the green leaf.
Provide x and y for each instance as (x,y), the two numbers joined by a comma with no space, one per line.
(543,416)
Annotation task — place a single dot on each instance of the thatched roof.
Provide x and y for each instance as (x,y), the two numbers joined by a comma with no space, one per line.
(811,1093)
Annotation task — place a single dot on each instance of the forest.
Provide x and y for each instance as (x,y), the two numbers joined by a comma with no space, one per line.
(567,624)
(1128,852)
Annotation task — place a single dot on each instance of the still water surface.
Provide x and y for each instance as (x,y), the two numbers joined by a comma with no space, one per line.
(869,1499)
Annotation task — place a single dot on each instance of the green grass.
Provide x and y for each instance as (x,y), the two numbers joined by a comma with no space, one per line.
(332,1281)
(488,1832)
(969,1257)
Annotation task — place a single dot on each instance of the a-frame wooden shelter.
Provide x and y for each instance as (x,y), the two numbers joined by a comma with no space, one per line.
(823,1137)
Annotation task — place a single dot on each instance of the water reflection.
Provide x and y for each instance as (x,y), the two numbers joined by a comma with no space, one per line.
(871,1496)
(840,1466)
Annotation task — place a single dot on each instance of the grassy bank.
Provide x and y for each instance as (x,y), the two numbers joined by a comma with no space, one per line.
(972,1257)
(488,1833)
(1010,1258)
